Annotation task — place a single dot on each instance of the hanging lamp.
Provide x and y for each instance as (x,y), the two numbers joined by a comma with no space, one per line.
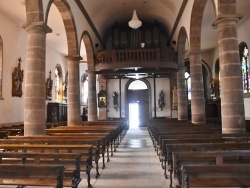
(134,23)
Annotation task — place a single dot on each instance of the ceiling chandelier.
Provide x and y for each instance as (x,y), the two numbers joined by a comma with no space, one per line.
(134,22)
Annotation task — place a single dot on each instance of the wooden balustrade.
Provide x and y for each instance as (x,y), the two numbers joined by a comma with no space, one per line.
(135,55)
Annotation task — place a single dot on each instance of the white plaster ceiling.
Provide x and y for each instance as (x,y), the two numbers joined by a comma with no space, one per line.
(104,13)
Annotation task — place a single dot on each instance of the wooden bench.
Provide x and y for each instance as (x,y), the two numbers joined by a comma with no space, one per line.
(4,134)
(189,147)
(226,175)
(23,175)
(70,130)
(207,157)
(73,162)
(84,150)
(108,139)
(97,142)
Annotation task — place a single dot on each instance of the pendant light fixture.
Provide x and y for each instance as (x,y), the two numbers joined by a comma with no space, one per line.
(134,23)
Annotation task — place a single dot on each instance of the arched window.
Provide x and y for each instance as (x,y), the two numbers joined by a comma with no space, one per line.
(244,67)
(58,84)
(206,72)
(137,85)
(216,81)
(84,89)
(188,80)
(1,67)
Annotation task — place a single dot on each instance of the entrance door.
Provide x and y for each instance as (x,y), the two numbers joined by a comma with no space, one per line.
(133,115)
(139,98)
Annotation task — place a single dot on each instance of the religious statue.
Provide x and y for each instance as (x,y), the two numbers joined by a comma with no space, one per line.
(115,102)
(161,102)
(49,85)
(17,80)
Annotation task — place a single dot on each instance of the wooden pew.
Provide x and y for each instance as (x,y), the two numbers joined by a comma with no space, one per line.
(207,157)
(226,175)
(90,130)
(200,138)
(73,163)
(85,150)
(4,134)
(97,142)
(108,139)
(189,147)
(23,175)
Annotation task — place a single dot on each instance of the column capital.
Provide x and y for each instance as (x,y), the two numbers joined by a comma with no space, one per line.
(226,17)
(182,68)
(74,58)
(197,52)
(91,71)
(37,26)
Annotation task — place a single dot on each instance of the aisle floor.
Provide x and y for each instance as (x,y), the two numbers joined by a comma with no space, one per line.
(134,164)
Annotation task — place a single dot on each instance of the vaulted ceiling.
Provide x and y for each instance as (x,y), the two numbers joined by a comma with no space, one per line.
(104,13)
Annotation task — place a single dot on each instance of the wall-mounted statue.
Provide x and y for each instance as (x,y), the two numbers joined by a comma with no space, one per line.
(115,100)
(49,85)
(161,102)
(17,80)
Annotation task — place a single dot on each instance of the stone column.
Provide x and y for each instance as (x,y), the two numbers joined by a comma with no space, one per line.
(34,91)
(74,112)
(197,89)
(232,101)
(92,98)
(182,94)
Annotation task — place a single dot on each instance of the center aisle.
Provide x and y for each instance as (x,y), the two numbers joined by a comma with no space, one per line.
(134,164)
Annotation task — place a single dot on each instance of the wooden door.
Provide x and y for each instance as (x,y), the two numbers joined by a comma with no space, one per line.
(140,97)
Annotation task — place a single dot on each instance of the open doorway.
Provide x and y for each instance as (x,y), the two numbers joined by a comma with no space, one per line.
(137,103)
(133,116)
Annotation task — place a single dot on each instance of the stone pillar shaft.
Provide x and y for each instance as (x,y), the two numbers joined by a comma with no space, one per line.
(197,89)
(182,94)
(34,92)
(232,102)
(92,98)
(74,113)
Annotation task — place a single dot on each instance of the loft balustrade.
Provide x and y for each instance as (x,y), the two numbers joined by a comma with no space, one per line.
(135,55)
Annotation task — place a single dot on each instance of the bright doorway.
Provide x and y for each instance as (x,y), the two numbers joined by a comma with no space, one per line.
(133,116)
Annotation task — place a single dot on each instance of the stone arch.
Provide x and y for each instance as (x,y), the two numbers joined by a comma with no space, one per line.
(1,67)
(182,38)
(34,11)
(69,24)
(195,25)
(89,49)
(149,96)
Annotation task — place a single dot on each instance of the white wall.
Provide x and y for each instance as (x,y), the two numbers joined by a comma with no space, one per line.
(161,84)
(14,46)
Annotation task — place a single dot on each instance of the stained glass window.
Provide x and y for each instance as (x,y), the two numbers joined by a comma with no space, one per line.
(245,70)
(58,84)
(188,84)
(84,89)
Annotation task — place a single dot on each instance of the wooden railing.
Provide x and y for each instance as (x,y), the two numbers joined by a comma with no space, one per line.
(136,55)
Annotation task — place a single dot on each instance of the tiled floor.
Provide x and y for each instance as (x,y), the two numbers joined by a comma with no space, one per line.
(134,165)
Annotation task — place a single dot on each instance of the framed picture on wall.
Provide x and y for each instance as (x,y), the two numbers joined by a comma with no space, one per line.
(102,102)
